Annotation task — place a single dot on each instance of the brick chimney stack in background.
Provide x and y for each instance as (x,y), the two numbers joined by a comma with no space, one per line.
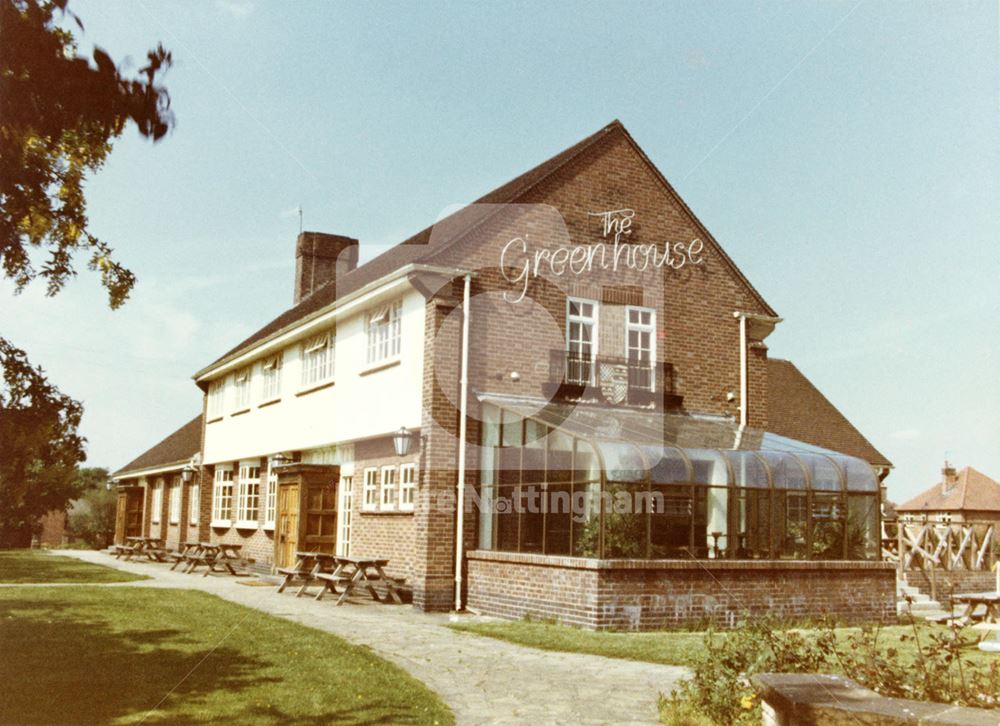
(320,259)
(948,478)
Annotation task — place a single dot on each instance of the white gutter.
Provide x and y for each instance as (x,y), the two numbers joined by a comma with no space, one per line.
(463,411)
(765,325)
(134,473)
(302,327)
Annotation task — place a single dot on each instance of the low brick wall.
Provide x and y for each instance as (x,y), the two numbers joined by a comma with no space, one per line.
(651,594)
(948,583)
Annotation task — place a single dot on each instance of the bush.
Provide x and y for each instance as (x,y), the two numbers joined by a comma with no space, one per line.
(927,666)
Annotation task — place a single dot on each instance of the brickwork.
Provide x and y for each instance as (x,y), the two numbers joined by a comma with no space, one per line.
(388,534)
(643,595)
(256,542)
(947,583)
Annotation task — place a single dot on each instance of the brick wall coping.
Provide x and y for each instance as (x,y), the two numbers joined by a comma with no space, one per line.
(791,698)
(588,563)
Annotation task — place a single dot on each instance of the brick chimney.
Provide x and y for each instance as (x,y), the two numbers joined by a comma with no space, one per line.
(948,478)
(322,258)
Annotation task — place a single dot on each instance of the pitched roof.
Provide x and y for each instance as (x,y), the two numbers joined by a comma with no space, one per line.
(973,491)
(797,409)
(432,240)
(180,446)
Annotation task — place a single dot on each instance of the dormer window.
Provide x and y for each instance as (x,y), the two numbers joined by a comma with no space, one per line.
(271,378)
(216,398)
(317,359)
(384,328)
(241,389)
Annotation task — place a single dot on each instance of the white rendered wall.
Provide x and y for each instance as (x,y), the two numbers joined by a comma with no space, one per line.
(356,406)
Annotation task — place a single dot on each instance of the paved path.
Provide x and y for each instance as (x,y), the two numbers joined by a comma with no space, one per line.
(483,680)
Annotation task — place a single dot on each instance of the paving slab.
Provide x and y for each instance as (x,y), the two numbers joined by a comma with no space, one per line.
(483,680)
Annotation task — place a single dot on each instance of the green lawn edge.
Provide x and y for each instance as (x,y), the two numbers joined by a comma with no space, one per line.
(32,567)
(138,654)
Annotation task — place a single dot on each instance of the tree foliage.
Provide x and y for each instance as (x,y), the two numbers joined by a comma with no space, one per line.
(93,516)
(60,115)
(40,444)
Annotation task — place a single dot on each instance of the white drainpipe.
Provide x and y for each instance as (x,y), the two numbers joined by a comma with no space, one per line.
(744,409)
(463,411)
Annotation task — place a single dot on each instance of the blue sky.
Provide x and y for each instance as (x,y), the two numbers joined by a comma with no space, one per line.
(845,154)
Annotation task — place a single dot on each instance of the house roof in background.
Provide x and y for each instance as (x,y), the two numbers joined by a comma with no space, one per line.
(438,237)
(179,446)
(797,409)
(973,491)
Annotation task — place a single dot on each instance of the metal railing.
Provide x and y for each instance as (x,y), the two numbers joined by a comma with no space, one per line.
(615,380)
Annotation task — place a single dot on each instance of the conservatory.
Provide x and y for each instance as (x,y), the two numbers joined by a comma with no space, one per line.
(624,490)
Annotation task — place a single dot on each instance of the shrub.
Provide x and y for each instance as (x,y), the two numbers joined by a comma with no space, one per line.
(926,666)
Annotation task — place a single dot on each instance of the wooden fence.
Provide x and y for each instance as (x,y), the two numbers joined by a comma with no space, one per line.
(930,546)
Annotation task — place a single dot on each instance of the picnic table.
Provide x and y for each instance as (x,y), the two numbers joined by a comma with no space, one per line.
(306,568)
(988,620)
(218,557)
(353,572)
(151,547)
(187,551)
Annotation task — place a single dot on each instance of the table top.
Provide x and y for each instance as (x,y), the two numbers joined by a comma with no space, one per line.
(359,561)
(988,596)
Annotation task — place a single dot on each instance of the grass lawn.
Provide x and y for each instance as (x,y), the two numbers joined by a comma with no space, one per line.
(129,655)
(27,566)
(667,646)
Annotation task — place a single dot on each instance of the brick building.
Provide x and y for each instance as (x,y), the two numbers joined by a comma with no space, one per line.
(553,402)
(159,492)
(965,495)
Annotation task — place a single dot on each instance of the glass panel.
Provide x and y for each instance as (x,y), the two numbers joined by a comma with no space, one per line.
(534,432)
(622,461)
(823,472)
(709,466)
(786,471)
(560,457)
(487,479)
(748,470)
(558,515)
(586,518)
(862,527)
(510,466)
(754,524)
(625,514)
(666,465)
(511,429)
(671,522)
(506,519)
(532,517)
(586,464)
(716,527)
(790,523)
(827,527)
(533,463)
(860,477)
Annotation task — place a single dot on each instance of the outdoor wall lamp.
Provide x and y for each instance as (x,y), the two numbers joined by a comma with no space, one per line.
(109,484)
(187,474)
(401,441)
(279,460)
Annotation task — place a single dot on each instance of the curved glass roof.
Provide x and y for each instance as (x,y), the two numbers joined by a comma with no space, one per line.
(634,445)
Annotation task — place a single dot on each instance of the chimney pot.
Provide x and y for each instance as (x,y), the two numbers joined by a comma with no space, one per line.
(948,478)
(320,260)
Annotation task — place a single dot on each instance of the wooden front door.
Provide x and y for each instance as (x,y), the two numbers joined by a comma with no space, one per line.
(287,525)
(321,517)
(134,499)
(120,519)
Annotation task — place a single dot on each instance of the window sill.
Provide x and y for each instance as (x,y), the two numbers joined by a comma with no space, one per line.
(221,523)
(387,512)
(377,367)
(245,524)
(173,524)
(213,420)
(240,412)
(313,389)
(268,527)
